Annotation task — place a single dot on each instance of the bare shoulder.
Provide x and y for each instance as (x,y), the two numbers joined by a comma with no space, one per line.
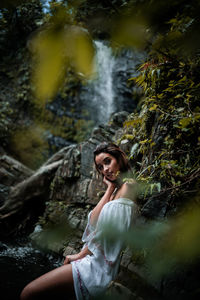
(129,189)
(130,182)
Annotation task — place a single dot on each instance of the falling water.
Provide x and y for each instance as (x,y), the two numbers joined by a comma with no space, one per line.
(99,93)
(103,85)
(108,92)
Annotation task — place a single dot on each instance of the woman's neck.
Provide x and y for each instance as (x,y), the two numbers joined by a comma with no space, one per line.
(119,182)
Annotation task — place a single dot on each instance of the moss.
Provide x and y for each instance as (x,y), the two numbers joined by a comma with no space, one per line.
(138,257)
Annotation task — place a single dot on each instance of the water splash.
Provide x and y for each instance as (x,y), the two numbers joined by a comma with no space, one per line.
(21,263)
(27,253)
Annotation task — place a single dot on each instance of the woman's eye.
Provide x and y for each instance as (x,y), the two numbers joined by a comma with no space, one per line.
(107,161)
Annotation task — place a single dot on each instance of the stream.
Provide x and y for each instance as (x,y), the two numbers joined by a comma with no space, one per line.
(21,262)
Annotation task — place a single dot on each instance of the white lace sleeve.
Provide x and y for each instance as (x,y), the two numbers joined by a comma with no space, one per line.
(88,232)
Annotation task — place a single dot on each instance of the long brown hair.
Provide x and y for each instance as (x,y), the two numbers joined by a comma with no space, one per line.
(116,152)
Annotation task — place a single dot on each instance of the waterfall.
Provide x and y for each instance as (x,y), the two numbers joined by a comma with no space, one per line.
(102,86)
(89,103)
(98,95)
(108,91)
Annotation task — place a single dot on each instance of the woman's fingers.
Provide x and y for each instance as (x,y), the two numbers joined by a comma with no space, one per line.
(66,261)
(70,258)
(108,182)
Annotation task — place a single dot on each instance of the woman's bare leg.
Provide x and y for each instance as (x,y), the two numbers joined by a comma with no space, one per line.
(56,284)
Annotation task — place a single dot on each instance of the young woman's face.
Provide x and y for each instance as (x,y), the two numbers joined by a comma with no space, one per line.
(107,165)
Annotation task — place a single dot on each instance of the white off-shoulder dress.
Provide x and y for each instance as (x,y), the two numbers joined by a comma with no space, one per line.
(93,273)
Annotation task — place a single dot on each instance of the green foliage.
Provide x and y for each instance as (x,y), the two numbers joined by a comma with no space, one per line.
(165,150)
(165,133)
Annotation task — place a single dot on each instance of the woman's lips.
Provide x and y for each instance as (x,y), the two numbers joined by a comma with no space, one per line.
(109,175)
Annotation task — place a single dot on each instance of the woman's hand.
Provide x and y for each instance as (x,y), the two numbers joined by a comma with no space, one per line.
(70,258)
(109,183)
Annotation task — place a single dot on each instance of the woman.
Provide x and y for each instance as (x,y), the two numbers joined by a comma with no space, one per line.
(88,273)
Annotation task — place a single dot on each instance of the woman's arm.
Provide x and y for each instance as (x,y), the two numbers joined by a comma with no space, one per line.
(106,198)
(85,251)
(93,219)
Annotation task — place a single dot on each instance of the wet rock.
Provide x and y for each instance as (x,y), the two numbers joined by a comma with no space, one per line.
(117,119)
(126,258)
(138,285)
(58,155)
(87,149)
(155,208)
(4,192)
(119,291)
(81,185)
(56,142)
(68,251)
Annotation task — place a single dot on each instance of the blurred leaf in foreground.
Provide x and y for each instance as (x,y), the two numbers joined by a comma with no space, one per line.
(49,69)
(132,31)
(167,244)
(30,146)
(58,46)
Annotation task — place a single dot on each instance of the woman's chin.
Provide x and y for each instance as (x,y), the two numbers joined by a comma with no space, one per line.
(113,179)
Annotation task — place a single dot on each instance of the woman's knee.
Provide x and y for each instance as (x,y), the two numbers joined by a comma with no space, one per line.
(56,282)
(28,292)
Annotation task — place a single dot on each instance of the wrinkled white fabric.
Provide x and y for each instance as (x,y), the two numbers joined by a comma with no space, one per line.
(93,273)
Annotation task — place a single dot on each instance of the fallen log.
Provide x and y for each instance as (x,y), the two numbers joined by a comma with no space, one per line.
(25,196)
(12,171)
